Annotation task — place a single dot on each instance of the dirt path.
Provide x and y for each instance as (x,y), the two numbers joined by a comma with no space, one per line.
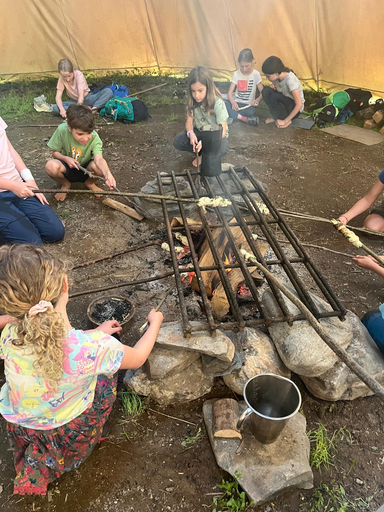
(142,466)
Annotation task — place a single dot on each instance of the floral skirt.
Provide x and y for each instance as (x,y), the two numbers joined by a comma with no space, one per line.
(41,456)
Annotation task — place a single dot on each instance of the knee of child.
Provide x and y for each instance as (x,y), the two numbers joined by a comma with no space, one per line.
(56,233)
(376,223)
(52,166)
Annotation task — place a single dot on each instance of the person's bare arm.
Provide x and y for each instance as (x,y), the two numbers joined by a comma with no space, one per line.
(136,356)
(231,90)
(7,319)
(59,103)
(298,106)
(103,166)
(260,88)
(67,159)
(369,263)
(224,125)
(364,203)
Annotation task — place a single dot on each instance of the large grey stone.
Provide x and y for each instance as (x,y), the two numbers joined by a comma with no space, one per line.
(164,362)
(260,356)
(188,385)
(340,383)
(266,470)
(219,345)
(300,347)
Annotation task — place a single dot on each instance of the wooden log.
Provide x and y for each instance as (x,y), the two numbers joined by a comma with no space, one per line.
(369,124)
(378,117)
(123,208)
(225,413)
(365,113)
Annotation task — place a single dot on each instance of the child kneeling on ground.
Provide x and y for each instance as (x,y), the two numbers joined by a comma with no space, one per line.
(206,109)
(74,143)
(60,382)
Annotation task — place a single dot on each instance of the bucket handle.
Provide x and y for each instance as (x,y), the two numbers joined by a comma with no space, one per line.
(243,417)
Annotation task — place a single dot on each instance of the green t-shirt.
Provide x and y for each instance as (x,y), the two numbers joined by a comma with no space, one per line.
(64,142)
(219,115)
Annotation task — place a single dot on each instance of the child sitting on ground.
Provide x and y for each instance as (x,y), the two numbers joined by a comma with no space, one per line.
(206,108)
(375,219)
(25,217)
(74,143)
(246,81)
(60,382)
(74,82)
(285,99)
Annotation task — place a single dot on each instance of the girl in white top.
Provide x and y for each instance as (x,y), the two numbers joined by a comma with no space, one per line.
(74,83)
(242,91)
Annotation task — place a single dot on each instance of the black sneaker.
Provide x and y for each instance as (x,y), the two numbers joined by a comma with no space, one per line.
(253,121)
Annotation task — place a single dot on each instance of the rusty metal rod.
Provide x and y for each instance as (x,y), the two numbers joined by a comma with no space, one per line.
(183,308)
(207,307)
(309,264)
(218,260)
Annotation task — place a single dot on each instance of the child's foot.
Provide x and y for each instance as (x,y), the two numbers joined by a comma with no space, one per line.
(62,197)
(269,120)
(92,186)
(194,163)
(253,121)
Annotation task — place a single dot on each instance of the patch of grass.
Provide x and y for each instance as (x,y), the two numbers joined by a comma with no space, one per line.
(233,498)
(190,441)
(333,498)
(133,405)
(323,447)
(172,117)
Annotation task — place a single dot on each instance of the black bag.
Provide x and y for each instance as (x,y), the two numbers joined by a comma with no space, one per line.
(326,115)
(140,111)
(359,99)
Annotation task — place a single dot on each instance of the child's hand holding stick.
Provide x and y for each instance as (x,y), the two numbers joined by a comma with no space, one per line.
(145,325)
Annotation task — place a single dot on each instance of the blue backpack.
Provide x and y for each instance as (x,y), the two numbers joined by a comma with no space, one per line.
(119,90)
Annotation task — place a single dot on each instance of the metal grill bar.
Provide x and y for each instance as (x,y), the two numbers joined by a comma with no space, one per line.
(235,177)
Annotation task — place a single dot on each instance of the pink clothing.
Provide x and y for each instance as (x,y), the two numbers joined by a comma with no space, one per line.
(75,86)
(7,165)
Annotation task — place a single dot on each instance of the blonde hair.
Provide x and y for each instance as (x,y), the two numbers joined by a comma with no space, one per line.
(65,66)
(202,75)
(29,274)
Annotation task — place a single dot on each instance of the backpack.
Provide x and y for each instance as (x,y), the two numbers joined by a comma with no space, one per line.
(326,114)
(127,110)
(119,90)
(359,99)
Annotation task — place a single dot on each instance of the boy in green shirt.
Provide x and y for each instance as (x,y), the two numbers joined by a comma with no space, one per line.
(77,143)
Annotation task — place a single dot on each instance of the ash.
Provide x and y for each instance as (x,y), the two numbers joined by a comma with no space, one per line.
(111,309)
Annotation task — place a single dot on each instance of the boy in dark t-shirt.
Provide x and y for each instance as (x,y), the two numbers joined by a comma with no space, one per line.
(73,144)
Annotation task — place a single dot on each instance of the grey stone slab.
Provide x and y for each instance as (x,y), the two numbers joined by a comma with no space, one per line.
(340,383)
(185,386)
(300,347)
(164,362)
(266,471)
(220,346)
(355,133)
(260,356)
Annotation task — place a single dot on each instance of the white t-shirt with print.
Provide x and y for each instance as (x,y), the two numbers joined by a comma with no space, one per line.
(289,84)
(245,86)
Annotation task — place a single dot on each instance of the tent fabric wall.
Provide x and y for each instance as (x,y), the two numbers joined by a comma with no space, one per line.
(323,41)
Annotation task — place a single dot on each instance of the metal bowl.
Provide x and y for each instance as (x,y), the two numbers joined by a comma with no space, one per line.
(106,298)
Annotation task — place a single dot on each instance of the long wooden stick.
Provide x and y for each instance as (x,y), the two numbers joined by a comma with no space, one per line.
(146,90)
(348,234)
(145,324)
(114,193)
(322,219)
(371,383)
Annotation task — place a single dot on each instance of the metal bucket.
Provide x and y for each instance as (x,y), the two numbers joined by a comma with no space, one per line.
(272,400)
(211,154)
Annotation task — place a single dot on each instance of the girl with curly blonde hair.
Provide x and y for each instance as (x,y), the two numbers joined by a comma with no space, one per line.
(60,382)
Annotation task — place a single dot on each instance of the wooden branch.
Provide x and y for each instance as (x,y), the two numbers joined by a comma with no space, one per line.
(145,324)
(322,219)
(146,90)
(114,255)
(306,244)
(123,208)
(370,382)
(115,193)
(225,414)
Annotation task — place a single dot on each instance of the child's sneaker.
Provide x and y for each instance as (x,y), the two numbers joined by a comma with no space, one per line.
(253,121)
(40,104)
(229,121)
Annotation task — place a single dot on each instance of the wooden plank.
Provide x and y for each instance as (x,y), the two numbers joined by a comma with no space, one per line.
(123,208)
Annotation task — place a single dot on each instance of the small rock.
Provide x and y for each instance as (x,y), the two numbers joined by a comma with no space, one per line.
(169,489)
(1,488)
(359,482)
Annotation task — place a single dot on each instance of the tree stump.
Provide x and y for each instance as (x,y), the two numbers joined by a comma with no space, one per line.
(225,414)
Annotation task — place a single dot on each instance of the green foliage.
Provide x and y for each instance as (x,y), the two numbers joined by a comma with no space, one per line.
(323,447)
(190,441)
(333,498)
(233,498)
(133,405)
(172,117)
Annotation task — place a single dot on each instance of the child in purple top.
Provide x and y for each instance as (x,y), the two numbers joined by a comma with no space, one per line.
(60,382)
